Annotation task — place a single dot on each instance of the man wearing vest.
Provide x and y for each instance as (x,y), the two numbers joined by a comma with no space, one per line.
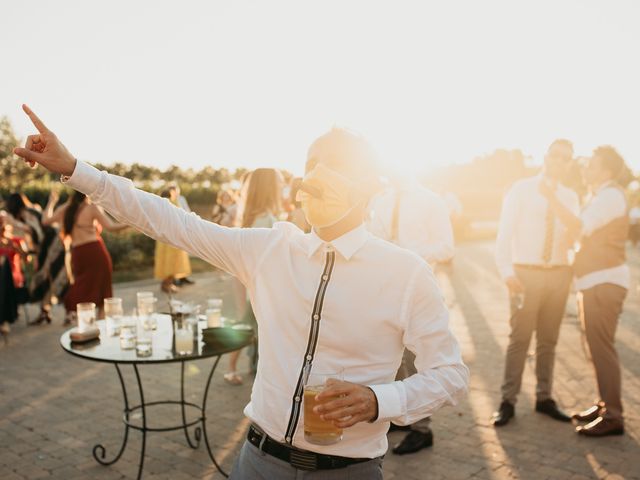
(602,279)
(532,254)
(415,218)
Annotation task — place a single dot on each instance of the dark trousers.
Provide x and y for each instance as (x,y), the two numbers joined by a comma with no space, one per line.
(600,307)
(545,299)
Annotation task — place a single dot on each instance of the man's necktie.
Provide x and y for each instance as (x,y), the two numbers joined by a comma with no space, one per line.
(550,221)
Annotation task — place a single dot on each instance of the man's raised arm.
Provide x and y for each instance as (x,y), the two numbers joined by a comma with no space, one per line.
(236,251)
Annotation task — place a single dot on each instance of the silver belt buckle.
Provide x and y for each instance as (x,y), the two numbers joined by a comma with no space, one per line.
(303,460)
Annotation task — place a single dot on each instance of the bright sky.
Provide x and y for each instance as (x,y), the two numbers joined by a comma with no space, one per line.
(237,83)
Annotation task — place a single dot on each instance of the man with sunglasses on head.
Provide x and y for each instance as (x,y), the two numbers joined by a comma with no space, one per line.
(532,254)
(336,299)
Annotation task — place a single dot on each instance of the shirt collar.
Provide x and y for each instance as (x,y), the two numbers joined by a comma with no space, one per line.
(346,245)
(608,183)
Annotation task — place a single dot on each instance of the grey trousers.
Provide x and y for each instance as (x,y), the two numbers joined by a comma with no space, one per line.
(545,299)
(600,307)
(408,368)
(252,464)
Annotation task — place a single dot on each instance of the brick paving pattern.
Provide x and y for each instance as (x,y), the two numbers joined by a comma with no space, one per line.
(54,407)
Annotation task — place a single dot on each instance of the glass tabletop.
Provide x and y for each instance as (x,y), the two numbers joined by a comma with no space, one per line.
(107,348)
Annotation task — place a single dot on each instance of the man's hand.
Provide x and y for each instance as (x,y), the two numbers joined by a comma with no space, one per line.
(514,285)
(346,404)
(547,188)
(45,148)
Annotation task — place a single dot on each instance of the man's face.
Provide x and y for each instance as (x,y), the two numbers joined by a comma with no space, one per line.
(593,173)
(557,161)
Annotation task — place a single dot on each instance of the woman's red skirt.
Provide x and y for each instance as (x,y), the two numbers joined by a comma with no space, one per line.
(91,267)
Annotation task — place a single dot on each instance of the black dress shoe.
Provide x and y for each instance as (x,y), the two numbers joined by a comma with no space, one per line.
(549,407)
(399,428)
(504,414)
(413,442)
(588,415)
(185,281)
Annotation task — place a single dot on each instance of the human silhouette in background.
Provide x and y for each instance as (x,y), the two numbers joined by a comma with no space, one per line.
(413,217)
(532,253)
(602,281)
(82,222)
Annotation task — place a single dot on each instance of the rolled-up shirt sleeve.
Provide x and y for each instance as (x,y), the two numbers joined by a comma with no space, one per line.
(237,251)
(441,378)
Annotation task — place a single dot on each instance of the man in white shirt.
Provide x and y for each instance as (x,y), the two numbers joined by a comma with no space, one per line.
(602,280)
(337,299)
(532,256)
(415,218)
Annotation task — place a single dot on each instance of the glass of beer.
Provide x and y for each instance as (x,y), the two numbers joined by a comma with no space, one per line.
(316,430)
(214,309)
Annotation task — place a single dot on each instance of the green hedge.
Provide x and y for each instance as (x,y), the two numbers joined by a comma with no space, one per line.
(130,250)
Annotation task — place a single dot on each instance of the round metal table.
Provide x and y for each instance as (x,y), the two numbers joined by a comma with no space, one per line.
(107,349)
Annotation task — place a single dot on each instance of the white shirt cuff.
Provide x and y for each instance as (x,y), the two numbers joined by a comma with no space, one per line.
(84,178)
(507,272)
(389,402)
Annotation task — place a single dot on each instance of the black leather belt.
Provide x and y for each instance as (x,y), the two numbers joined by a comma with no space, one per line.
(301,459)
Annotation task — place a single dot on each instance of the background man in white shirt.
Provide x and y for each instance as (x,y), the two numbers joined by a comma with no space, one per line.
(602,279)
(415,218)
(334,299)
(532,256)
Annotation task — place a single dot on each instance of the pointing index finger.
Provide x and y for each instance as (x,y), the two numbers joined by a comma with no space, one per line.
(34,118)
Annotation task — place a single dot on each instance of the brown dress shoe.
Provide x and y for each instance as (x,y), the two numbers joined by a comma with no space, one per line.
(588,415)
(601,427)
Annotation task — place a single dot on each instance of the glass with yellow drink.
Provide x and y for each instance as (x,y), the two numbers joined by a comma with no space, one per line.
(316,430)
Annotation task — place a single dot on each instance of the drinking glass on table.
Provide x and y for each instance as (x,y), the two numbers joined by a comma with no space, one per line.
(214,312)
(146,309)
(143,339)
(128,332)
(184,340)
(113,315)
(86,312)
(316,430)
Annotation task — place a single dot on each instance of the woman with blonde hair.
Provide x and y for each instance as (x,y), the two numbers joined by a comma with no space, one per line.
(259,207)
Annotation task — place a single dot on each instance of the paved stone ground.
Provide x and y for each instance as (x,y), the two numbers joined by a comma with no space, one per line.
(54,407)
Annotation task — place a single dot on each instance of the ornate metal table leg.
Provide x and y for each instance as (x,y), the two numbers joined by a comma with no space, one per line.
(144,422)
(197,431)
(99,452)
(204,418)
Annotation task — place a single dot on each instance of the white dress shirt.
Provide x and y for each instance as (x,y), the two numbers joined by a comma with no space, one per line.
(522,229)
(182,202)
(424,226)
(353,304)
(607,204)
